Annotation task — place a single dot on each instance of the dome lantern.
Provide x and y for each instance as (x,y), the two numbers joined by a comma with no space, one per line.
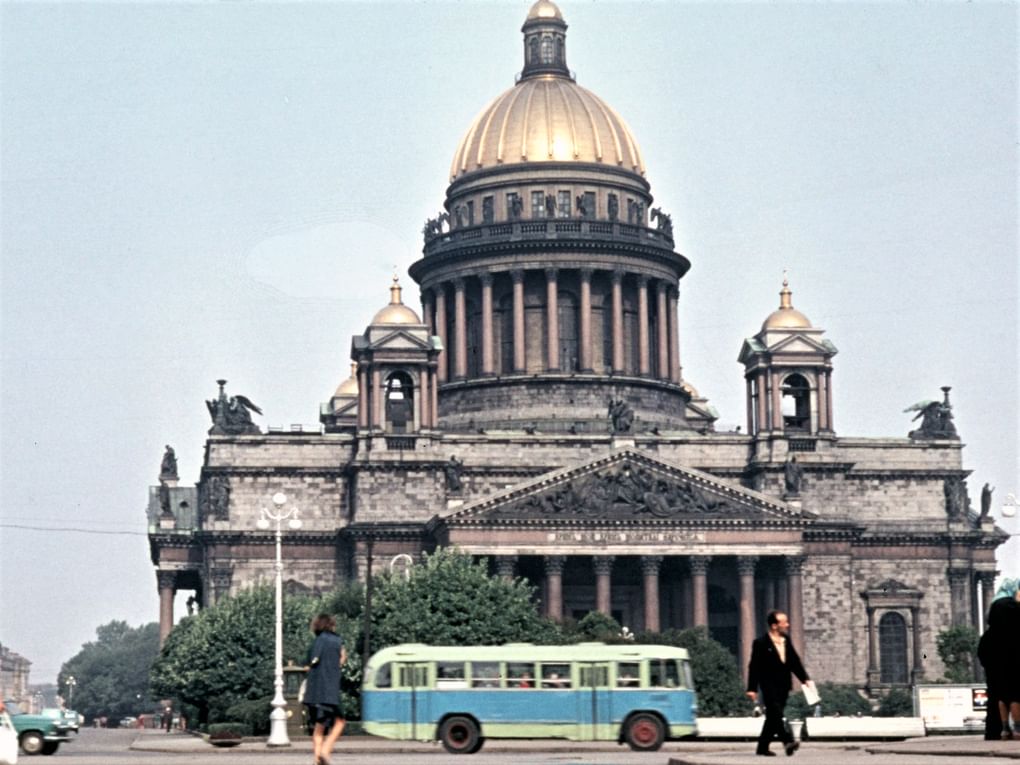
(545,41)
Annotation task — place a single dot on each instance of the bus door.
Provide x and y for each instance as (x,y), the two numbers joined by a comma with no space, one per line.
(593,711)
(413,679)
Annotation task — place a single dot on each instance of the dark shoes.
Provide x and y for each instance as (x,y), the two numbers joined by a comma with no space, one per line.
(792,747)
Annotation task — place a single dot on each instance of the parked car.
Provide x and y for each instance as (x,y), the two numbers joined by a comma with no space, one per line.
(128,722)
(37,734)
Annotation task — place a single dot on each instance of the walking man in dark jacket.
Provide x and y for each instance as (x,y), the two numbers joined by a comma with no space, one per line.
(773,661)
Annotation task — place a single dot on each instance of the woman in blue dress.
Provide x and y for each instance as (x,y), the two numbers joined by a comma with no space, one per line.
(322,690)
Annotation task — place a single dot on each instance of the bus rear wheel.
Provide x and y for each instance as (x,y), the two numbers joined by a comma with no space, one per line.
(644,733)
(460,735)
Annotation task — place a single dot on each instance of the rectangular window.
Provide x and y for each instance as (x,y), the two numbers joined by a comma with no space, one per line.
(537,205)
(662,673)
(470,212)
(589,204)
(594,676)
(513,206)
(485,674)
(563,204)
(520,675)
(488,210)
(450,674)
(414,676)
(555,676)
(628,674)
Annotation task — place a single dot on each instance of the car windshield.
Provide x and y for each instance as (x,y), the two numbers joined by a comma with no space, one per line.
(13,707)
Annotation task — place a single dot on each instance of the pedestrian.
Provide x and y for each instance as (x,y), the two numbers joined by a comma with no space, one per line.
(773,661)
(322,689)
(997,653)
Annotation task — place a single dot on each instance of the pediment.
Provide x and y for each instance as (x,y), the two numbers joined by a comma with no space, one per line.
(626,486)
(400,340)
(799,344)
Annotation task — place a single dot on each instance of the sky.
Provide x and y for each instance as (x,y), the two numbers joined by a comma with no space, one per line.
(193,191)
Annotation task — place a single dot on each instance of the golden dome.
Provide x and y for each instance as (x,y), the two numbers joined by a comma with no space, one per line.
(544,9)
(396,312)
(546,116)
(349,387)
(786,316)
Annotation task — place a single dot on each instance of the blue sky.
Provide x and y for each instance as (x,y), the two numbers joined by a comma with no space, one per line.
(194,191)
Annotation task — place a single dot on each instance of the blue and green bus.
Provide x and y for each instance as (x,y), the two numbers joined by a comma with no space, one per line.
(639,694)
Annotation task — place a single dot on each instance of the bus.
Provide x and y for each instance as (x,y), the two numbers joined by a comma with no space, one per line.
(462,695)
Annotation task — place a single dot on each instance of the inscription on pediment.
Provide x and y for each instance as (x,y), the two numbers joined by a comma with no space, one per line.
(627,492)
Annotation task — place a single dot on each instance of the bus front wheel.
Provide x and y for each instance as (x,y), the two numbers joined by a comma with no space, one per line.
(644,733)
(460,735)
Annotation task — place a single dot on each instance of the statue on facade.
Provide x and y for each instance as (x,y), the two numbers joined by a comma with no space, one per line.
(957,502)
(550,206)
(168,467)
(621,416)
(613,207)
(488,213)
(453,470)
(231,416)
(214,498)
(986,502)
(936,418)
(516,207)
(582,206)
(664,221)
(793,477)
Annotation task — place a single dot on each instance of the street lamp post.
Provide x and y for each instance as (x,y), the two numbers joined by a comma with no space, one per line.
(71,683)
(278,717)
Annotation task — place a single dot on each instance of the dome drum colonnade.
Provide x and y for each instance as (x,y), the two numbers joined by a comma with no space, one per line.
(561,291)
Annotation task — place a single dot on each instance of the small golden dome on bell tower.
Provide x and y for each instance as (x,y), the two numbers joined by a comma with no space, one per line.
(396,312)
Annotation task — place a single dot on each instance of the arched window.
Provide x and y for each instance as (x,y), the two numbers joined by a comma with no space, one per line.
(533,50)
(892,648)
(399,403)
(547,49)
(566,309)
(796,403)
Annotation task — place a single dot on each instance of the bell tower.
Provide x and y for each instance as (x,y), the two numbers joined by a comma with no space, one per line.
(788,370)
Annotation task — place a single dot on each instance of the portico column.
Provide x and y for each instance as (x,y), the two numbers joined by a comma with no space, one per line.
(584,355)
(777,403)
(441,326)
(377,398)
(362,397)
(763,392)
(699,584)
(644,368)
(915,625)
(650,573)
(488,368)
(617,282)
(552,321)
(554,586)
(434,378)
(424,400)
(603,565)
(749,395)
(795,592)
(460,330)
(506,566)
(872,642)
(828,400)
(823,405)
(745,568)
(662,322)
(428,311)
(166,582)
(520,360)
(958,580)
(672,296)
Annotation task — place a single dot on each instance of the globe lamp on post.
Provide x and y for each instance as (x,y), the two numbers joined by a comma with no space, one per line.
(71,683)
(1009,506)
(278,717)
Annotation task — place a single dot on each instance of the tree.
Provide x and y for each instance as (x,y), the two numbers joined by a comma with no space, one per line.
(452,600)
(716,676)
(957,646)
(112,673)
(225,654)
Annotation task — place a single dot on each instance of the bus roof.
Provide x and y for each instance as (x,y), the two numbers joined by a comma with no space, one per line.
(526,652)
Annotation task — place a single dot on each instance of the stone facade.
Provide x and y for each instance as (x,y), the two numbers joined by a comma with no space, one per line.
(537,415)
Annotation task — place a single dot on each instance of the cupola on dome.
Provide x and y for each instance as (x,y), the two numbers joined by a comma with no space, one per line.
(396,312)
(546,116)
(786,316)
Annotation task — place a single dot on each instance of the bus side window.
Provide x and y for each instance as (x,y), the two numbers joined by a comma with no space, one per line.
(485,674)
(555,675)
(413,676)
(450,674)
(662,673)
(594,677)
(520,675)
(687,675)
(628,675)
(382,676)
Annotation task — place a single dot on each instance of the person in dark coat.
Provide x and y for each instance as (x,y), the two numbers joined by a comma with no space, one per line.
(322,689)
(997,652)
(773,661)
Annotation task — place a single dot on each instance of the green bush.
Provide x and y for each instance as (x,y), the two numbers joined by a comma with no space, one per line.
(957,647)
(896,703)
(228,729)
(253,713)
(837,699)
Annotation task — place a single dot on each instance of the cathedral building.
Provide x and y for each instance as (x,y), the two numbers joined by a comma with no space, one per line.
(536,413)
